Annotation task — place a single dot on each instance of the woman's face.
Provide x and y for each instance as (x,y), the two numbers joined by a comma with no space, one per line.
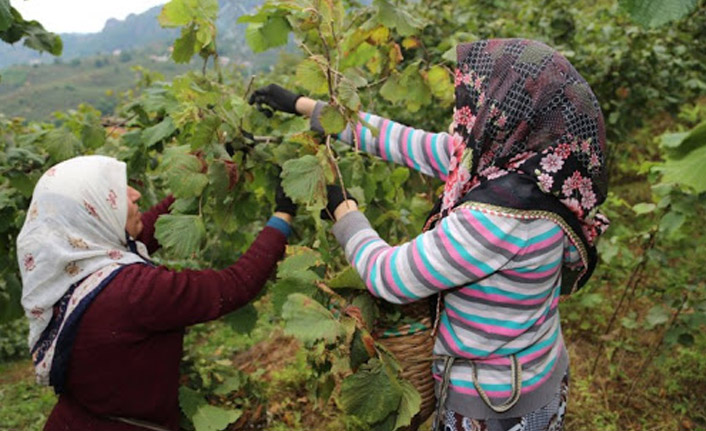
(133,226)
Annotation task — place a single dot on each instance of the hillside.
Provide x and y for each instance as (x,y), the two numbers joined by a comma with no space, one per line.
(94,68)
(34,92)
(136,32)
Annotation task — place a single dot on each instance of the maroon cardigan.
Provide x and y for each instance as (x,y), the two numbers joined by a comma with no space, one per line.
(125,359)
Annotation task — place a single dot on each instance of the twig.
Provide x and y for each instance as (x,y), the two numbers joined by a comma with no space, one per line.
(634,277)
(121,124)
(656,346)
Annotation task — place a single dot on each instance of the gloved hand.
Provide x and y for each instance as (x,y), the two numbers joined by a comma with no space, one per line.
(284,203)
(275,97)
(334,194)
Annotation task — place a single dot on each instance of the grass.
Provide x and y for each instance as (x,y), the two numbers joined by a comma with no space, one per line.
(24,405)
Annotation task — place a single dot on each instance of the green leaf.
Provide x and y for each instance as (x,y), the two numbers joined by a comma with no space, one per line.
(180,234)
(653,13)
(185,46)
(211,418)
(269,34)
(348,94)
(61,144)
(394,16)
(37,38)
(644,208)
(242,320)
(205,417)
(368,309)
(440,84)
(672,140)
(658,315)
(178,13)
(309,321)
(300,259)
(671,222)
(311,77)
(6,18)
(359,56)
(205,132)
(332,120)
(231,384)
(190,401)
(348,278)
(687,171)
(681,144)
(281,290)
(359,355)
(416,92)
(409,404)
(175,14)
(183,172)
(370,394)
(392,90)
(93,134)
(304,179)
(160,131)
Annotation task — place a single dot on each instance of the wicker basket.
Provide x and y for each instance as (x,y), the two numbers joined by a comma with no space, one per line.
(412,345)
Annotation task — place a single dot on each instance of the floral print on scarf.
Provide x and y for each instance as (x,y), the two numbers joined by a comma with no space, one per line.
(522,107)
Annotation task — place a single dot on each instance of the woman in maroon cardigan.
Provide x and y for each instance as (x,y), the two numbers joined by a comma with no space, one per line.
(106,325)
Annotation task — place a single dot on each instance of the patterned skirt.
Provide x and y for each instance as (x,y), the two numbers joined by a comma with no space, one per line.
(548,418)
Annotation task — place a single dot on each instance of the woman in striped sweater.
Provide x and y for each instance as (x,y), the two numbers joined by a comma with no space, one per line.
(514,228)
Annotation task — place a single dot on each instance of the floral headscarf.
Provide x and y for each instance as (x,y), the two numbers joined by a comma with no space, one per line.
(74,231)
(522,108)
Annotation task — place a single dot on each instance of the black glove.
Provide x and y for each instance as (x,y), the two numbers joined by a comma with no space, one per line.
(284,203)
(275,97)
(335,198)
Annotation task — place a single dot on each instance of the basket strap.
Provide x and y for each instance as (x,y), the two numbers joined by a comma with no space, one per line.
(443,391)
(515,368)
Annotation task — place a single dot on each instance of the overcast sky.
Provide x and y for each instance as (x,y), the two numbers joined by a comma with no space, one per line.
(79,16)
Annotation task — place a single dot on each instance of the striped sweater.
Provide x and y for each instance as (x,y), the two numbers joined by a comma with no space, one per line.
(501,276)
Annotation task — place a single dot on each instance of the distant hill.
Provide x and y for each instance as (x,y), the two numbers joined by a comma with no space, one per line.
(95,68)
(139,32)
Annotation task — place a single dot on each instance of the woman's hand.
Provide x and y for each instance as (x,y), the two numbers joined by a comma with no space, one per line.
(339,203)
(281,99)
(285,208)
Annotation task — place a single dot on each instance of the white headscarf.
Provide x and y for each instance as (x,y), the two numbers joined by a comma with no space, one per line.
(75,226)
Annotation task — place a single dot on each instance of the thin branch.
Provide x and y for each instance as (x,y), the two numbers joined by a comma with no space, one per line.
(632,281)
(652,349)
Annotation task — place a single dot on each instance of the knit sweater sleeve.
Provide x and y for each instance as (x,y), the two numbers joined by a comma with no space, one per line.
(463,248)
(149,218)
(162,299)
(428,153)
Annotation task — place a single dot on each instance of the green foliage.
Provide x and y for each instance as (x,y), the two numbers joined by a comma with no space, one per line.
(205,417)
(13,339)
(374,395)
(309,321)
(14,28)
(393,58)
(266,31)
(24,405)
(371,394)
(653,13)
(198,33)
(304,179)
(181,234)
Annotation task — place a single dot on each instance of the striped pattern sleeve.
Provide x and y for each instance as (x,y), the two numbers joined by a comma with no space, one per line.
(463,248)
(428,153)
